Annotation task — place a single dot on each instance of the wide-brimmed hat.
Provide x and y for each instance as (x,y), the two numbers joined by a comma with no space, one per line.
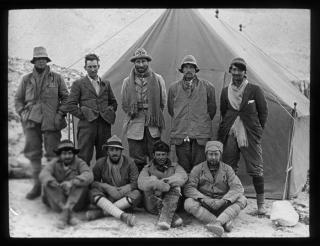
(238,60)
(40,52)
(189,59)
(65,145)
(140,53)
(114,141)
(214,146)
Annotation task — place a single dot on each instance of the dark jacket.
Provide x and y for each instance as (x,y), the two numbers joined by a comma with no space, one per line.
(54,170)
(253,114)
(129,173)
(40,103)
(225,184)
(85,104)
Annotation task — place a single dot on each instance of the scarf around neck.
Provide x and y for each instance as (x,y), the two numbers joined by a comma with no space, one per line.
(114,171)
(39,79)
(155,105)
(238,130)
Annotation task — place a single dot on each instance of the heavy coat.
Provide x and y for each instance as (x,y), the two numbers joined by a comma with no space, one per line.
(191,114)
(128,171)
(54,170)
(253,112)
(174,172)
(85,104)
(224,185)
(41,105)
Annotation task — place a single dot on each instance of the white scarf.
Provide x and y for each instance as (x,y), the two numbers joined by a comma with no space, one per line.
(238,130)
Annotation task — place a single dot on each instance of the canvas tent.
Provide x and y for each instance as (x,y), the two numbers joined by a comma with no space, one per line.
(180,32)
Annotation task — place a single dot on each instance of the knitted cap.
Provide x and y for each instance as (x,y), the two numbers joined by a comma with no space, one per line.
(140,53)
(214,146)
(189,59)
(40,52)
(114,141)
(161,146)
(238,60)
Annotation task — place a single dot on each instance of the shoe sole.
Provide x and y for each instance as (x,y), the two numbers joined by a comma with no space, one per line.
(217,230)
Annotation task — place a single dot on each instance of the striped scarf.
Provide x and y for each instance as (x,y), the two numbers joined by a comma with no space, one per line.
(155,106)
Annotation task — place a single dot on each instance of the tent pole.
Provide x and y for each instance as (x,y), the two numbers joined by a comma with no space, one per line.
(286,192)
(68,118)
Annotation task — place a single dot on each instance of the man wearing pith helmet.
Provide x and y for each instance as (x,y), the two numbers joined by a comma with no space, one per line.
(214,192)
(115,188)
(192,106)
(38,101)
(65,180)
(244,112)
(144,98)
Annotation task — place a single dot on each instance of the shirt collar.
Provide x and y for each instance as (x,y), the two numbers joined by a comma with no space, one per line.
(94,80)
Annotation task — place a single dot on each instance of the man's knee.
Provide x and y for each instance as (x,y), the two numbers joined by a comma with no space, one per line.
(242,201)
(191,205)
(135,197)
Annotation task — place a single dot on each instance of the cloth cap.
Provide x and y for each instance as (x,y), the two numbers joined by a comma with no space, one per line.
(214,146)
(238,60)
(161,146)
(114,141)
(189,59)
(40,52)
(65,145)
(140,53)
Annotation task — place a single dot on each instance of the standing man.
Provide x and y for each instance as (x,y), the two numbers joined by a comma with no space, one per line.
(38,102)
(93,102)
(214,192)
(115,184)
(65,183)
(192,106)
(144,97)
(244,114)
(161,181)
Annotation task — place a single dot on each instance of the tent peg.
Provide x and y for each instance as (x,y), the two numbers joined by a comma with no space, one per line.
(217,14)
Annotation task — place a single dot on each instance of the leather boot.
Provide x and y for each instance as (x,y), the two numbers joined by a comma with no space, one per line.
(64,219)
(36,189)
(193,207)
(260,204)
(129,219)
(169,206)
(176,221)
(216,228)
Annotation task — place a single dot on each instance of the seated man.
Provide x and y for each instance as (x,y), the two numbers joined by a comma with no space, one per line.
(115,184)
(160,181)
(65,182)
(214,193)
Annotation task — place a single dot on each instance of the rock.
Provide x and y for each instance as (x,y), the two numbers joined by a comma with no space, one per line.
(283,214)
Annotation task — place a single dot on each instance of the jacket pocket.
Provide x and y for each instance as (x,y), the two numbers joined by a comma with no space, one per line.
(89,113)
(36,113)
(59,122)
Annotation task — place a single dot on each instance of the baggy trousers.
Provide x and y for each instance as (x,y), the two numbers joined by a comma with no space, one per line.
(90,135)
(77,198)
(251,154)
(140,149)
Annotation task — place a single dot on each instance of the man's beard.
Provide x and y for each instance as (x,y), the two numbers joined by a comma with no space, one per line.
(142,69)
(188,76)
(115,159)
(213,163)
(67,162)
(40,70)
(161,166)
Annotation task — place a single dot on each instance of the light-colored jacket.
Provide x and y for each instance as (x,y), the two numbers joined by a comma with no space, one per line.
(135,127)
(38,105)
(225,184)
(191,114)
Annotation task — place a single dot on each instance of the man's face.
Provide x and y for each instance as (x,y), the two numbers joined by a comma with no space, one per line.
(141,65)
(161,157)
(114,154)
(189,71)
(213,157)
(92,68)
(66,156)
(237,75)
(40,63)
